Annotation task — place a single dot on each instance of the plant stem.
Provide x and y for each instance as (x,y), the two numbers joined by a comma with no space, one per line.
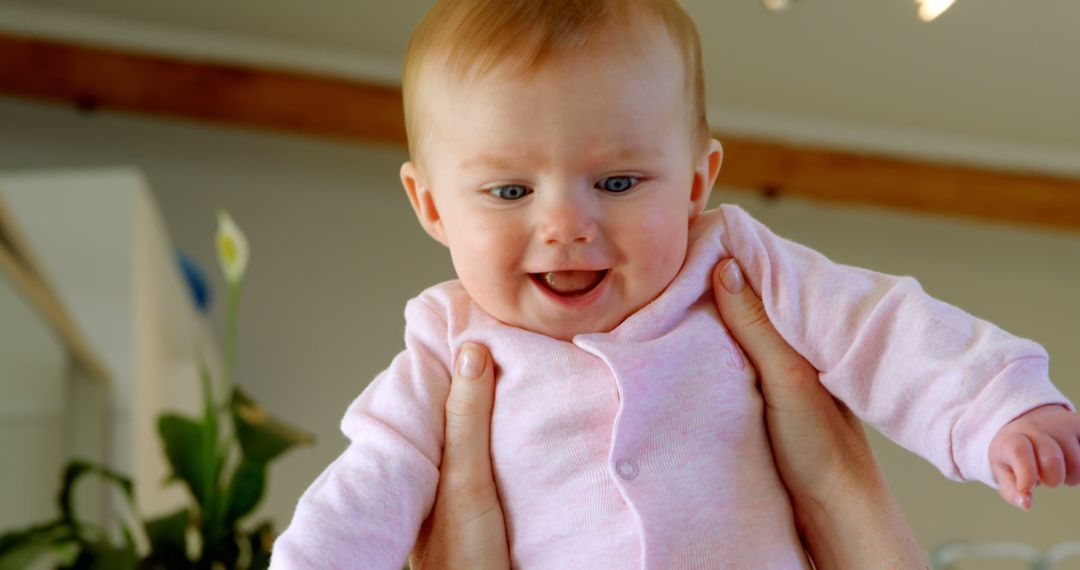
(231,308)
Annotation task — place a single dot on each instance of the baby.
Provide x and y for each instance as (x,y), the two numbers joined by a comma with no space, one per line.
(561,152)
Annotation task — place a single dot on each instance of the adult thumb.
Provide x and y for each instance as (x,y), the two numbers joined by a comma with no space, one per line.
(783,372)
(468,408)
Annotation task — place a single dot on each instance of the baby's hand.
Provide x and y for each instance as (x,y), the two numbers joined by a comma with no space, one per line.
(1041,446)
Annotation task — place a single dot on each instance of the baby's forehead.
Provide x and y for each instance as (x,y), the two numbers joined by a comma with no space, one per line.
(510,158)
(654,55)
(504,129)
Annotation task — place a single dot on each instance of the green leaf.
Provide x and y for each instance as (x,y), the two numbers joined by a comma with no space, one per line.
(228,551)
(101,555)
(215,537)
(212,462)
(262,437)
(245,491)
(12,539)
(183,441)
(168,540)
(193,449)
(92,554)
(261,540)
(73,473)
(20,549)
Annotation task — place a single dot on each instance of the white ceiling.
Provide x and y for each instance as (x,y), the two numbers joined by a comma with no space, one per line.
(992,82)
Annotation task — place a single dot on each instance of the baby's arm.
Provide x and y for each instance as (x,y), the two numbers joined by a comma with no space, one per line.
(929,376)
(366,508)
(1041,446)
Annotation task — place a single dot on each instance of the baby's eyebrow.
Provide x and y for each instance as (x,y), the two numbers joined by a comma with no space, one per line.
(494,162)
(631,154)
(497,162)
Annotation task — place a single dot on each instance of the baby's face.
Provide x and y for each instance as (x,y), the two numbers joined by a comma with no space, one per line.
(565,194)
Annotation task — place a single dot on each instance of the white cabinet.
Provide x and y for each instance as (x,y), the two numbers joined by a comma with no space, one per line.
(101,246)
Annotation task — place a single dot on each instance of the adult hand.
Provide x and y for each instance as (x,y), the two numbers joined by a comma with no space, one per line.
(844,509)
(465,528)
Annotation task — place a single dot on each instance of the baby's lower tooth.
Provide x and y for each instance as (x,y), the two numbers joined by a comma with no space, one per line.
(550,278)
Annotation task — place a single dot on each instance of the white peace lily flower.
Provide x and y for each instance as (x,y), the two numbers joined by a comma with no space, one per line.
(232,248)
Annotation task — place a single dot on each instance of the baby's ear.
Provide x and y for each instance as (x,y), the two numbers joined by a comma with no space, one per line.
(423,203)
(705,173)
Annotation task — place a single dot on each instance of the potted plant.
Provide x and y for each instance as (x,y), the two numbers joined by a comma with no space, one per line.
(222,458)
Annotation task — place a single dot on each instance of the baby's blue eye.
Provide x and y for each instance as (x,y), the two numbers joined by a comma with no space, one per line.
(510,192)
(617,184)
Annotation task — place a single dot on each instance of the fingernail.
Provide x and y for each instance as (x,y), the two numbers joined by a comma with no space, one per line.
(470,362)
(731,277)
(1024,502)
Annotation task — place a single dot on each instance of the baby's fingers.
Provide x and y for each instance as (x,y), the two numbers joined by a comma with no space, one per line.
(1070,445)
(1051,460)
(1012,460)
(1006,481)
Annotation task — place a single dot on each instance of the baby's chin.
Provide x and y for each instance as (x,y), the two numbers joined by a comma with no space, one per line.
(562,329)
(567,331)
(522,312)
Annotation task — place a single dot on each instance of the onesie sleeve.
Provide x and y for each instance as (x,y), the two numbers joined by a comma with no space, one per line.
(924,373)
(365,509)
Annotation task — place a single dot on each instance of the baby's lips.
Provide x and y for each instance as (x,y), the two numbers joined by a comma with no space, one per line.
(571,282)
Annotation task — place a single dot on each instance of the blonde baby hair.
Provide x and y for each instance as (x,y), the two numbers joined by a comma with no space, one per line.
(470,38)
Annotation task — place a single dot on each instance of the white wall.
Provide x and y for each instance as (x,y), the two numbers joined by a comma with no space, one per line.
(336,253)
(34,376)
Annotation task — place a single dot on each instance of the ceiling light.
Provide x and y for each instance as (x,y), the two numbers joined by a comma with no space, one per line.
(930,9)
(777,5)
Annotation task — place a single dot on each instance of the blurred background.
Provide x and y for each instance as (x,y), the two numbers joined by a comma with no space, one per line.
(948,150)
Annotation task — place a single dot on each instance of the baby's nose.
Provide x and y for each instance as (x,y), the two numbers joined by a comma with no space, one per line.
(567,224)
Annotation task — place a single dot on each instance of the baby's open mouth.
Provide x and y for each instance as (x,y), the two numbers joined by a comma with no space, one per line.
(569,283)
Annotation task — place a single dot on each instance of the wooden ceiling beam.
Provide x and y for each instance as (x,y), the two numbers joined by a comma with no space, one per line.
(916,186)
(93,77)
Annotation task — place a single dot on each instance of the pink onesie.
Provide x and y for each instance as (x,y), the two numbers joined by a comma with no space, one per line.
(645,446)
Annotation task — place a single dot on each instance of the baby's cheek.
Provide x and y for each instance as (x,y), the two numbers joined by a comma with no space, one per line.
(657,270)
(475,274)
(665,255)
